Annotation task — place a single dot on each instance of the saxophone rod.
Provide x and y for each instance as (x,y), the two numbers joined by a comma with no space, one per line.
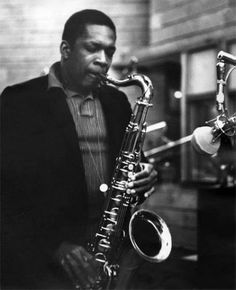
(168,146)
(156,126)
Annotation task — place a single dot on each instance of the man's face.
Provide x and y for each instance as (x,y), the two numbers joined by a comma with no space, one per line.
(91,55)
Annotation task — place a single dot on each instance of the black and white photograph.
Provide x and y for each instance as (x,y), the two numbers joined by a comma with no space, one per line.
(118,145)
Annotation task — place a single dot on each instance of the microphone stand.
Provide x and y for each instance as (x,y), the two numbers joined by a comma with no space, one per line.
(221,82)
(167,146)
(223,123)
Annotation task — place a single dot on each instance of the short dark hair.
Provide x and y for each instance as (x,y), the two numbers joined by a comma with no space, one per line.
(75,25)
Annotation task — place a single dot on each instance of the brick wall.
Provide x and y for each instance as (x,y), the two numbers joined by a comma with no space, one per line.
(31,32)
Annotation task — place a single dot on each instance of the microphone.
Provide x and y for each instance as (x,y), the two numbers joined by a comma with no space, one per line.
(206,139)
(226,57)
(202,141)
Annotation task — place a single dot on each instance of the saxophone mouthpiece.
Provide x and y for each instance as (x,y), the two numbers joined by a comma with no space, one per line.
(103,76)
(103,79)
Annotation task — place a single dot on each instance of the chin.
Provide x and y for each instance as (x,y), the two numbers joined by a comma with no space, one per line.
(90,84)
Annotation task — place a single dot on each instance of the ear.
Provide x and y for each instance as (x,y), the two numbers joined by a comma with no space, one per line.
(65,49)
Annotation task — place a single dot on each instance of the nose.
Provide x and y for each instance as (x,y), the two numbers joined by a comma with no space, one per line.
(102,58)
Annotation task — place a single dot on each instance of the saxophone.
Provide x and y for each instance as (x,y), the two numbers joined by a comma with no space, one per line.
(156,245)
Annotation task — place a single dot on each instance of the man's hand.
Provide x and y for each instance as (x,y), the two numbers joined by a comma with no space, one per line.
(79,265)
(143,182)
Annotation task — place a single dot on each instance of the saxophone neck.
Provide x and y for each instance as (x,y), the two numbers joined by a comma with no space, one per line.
(140,80)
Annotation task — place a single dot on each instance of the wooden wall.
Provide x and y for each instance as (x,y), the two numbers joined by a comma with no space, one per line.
(188,24)
(31,32)
(172,21)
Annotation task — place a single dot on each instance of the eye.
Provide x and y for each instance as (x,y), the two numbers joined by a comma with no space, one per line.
(110,52)
(91,47)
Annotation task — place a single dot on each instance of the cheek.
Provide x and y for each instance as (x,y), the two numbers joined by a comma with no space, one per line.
(77,66)
(82,62)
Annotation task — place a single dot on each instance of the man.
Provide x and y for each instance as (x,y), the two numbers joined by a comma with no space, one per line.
(60,136)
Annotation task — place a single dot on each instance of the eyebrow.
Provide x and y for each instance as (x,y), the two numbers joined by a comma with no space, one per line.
(98,43)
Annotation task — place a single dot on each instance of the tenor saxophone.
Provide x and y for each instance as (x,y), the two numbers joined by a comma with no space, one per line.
(106,243)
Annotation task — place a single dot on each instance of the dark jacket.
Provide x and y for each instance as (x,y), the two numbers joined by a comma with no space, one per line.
(43,189)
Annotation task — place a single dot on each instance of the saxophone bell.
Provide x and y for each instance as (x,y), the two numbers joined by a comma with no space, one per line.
(155,245)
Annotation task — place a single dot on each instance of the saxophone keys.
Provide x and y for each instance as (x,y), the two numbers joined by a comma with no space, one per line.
(130,175)
(131,167)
